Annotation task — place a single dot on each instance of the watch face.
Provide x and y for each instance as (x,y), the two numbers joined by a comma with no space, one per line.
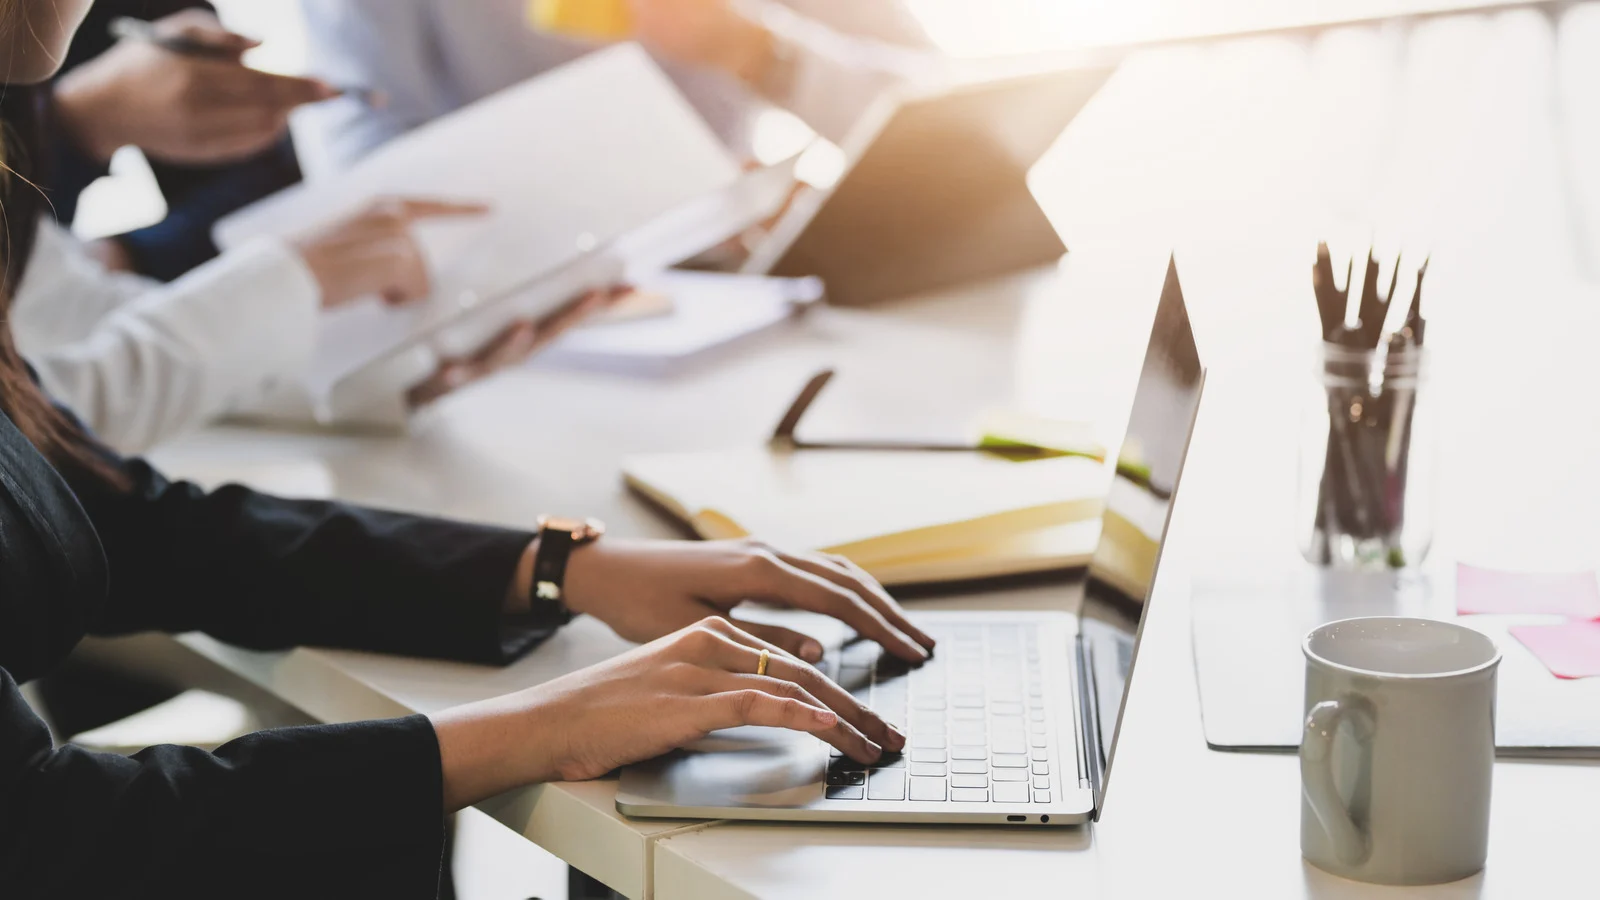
(558,523)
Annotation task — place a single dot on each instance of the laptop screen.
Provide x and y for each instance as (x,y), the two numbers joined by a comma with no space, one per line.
(1134,525)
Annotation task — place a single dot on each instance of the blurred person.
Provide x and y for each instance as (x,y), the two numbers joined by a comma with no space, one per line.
(214,132)
(141,361)
(824,60)
(101,544)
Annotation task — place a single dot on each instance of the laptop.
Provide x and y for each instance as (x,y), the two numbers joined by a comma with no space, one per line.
(937,191)
(1015,718)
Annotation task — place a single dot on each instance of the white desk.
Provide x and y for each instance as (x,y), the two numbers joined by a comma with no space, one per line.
(1178,814)
(1462,135)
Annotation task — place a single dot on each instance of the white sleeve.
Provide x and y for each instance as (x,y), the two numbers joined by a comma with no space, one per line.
(160,359)
(67,292)
(385,45)
(834,77)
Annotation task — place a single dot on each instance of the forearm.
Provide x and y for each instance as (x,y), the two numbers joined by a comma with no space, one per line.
(490,747)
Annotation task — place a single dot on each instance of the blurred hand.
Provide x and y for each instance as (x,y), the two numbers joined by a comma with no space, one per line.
(708,33)
(645,589)
(515,343)
(658,697)
(375,251)
(179,108)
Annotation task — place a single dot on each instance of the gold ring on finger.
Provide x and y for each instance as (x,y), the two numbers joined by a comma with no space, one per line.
(761,663)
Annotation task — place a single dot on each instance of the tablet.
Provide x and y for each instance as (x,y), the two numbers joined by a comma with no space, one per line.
(458,319)
(936,193)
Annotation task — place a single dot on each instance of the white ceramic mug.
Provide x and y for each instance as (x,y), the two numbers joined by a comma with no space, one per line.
(1398,750)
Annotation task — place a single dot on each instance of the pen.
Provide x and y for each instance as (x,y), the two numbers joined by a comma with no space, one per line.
(127,28)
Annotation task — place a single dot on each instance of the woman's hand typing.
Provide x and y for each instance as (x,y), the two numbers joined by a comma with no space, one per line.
(645,589)
(663,695)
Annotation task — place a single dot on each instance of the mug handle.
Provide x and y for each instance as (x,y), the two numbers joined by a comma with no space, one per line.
(1350,841)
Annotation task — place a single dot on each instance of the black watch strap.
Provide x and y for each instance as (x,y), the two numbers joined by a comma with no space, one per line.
(548,603)
(557,538)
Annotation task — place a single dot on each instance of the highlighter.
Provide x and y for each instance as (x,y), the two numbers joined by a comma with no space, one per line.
(595,20)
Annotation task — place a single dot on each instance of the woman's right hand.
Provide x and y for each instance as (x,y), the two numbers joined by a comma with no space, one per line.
(655,698)
(375,251)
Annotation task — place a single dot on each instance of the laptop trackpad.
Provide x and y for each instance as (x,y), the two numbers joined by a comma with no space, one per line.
(747,766)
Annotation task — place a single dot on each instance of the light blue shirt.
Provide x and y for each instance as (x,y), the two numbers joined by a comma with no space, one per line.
(433,56)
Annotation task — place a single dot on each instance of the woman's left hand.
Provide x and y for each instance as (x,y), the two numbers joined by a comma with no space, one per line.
(646,589)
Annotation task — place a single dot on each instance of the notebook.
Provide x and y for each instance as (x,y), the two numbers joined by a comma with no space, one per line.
(596,171)
(905,517)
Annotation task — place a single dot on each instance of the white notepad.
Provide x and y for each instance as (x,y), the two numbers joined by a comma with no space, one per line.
(595,171)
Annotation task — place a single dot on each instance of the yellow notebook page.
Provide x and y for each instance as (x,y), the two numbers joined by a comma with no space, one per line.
(870,506)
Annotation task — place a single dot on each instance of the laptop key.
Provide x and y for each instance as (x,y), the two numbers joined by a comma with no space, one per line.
(1008,745)
(970,766)
(928,770)
(1010,761)
(1039,754)
(1041,796)
(927,756)
(891,760)
(1041,782)
(970,753)
(969,795)
(927,742)
(846,791)
(969,781)
(1011,775)
(927,788)
(887,784)
(1010,792)
(1041,768)
(861,652)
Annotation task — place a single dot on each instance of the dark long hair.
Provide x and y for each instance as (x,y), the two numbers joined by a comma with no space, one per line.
(56,435)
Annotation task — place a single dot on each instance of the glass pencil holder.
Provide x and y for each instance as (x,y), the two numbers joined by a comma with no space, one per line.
(1366,472)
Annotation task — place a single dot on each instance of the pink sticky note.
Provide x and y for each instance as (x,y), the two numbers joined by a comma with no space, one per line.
(1568,650)
(1489,591)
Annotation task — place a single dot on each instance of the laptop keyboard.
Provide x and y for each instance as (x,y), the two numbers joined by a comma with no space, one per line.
(975,716)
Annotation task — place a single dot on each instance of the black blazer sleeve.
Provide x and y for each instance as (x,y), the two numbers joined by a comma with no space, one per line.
(267,572)
(346,810)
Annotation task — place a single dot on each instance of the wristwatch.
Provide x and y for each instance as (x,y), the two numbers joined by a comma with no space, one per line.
(557,538)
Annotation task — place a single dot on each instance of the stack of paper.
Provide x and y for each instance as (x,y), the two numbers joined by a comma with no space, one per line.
(905,517)
(707,312)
